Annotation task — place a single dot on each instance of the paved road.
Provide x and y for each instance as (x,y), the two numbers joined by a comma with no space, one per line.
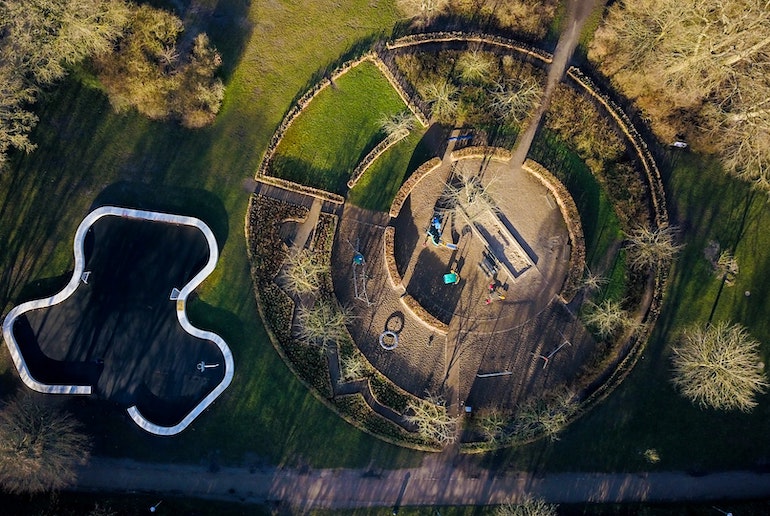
(435,483)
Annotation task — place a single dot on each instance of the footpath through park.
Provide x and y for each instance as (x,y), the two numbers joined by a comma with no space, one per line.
(436,482)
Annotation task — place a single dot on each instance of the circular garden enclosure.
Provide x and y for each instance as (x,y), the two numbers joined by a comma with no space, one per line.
(424,283)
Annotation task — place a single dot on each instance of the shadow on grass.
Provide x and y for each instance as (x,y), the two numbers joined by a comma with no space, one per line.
(176,200)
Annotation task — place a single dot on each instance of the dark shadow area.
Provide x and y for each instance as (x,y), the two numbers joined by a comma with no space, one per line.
(428,288)
(120,333)
(225,21)
(43,287)
(406,236)
(48,370)
(192,202)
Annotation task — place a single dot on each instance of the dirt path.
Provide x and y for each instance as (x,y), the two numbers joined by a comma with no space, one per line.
(435,483)
(578,12)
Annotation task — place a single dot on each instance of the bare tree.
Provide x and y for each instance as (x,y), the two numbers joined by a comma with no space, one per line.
(432,420)
(466,193)
(493,426)
(40,446)
(607,318)
(698,68)
(422,11)
(323,323)
(593,282)
(515,100)
(304,272)
(727,267)
(527,507)
(650,248)
(399,124)
(442,96)
(352,367)
(44,36)
(719,366)
(475,66)
(547,415)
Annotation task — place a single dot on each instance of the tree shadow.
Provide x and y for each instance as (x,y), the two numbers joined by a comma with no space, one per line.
(193,202)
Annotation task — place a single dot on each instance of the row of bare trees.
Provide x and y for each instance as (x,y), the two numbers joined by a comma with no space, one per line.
(530,18)
(699,69)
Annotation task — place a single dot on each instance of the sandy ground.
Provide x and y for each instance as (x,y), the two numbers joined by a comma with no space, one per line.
(509,336)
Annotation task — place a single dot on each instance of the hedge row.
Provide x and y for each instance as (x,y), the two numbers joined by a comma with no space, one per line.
(356,410)
(392,78)
(423,315)
(403,192)
(471,37)
(390,257)
(375,153)
(571,216)
(266,254)
(493,153)
(302,104)
(640,146)
(301,189)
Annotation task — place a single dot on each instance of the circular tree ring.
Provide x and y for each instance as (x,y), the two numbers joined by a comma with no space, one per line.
(388,340)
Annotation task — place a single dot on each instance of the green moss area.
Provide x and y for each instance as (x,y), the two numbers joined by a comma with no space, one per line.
(378,186)
(336,130)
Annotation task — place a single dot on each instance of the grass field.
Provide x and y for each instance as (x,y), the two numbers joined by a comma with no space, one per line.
(271,51)
(645,412)
(337,129)
(379,184)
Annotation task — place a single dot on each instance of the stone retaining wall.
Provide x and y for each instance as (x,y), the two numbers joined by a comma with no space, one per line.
(569,211)
(493,153)
(390,258)
(403,192)
(301,189)
(375,153)
(471,37)
(423,315)
(648,163)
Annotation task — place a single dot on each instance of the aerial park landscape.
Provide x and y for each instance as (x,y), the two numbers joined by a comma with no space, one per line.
(434,256)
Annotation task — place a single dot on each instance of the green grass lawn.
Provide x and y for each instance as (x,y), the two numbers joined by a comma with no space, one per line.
(337,129)
(271,51)
(381,181)
(645,411)
(86,152)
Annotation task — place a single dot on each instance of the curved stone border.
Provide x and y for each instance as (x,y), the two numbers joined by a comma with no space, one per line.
(390,258)
(375,153)
(403,192)
(422,315)
(492,153)
(73,284)
(651,170)
(301,189)
(470,37)
(571,216)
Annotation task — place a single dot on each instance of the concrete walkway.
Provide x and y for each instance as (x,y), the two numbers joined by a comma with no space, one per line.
(437,484)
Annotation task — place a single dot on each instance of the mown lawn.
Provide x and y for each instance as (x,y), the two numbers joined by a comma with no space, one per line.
(88,154)
(381,181)
(645,412)
(337,129)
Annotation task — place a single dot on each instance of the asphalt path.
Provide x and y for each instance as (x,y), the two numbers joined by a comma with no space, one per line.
(436,482)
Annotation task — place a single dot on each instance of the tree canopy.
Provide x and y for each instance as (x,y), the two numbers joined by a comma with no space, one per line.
(700,70)
(40,446)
